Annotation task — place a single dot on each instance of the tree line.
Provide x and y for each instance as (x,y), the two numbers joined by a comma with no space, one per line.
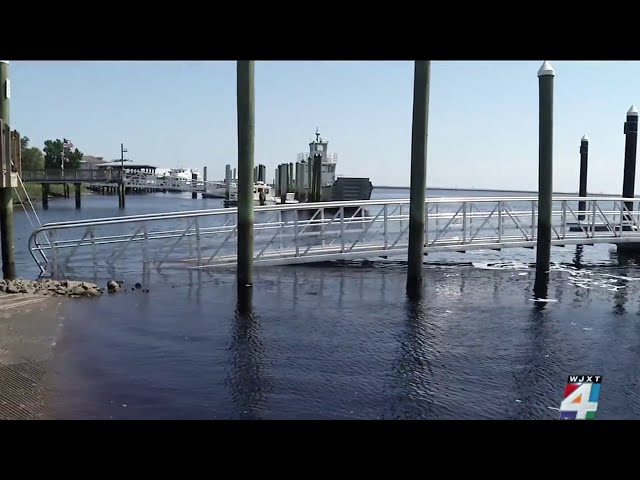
(50,158)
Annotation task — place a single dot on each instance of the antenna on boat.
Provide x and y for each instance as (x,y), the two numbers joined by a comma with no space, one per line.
(317,134)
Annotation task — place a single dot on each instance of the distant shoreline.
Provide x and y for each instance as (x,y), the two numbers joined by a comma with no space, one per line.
(449,189)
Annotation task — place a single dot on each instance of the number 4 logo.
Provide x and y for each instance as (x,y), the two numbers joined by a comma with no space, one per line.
(580,401)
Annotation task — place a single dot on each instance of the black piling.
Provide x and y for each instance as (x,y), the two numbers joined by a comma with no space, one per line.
(78,195)
(584,159)
(317,177)
(630,150)
(45,195)
(545,178)
(227,182)
(194,184)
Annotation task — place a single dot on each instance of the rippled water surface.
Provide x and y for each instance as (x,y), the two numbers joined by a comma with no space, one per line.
(343,342)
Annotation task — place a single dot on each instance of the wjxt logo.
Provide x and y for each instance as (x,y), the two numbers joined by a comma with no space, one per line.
(580,400)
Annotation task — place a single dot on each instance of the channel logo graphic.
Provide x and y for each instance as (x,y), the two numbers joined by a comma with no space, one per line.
(580,400)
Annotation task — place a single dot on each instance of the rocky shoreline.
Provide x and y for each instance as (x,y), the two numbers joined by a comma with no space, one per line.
(67,288)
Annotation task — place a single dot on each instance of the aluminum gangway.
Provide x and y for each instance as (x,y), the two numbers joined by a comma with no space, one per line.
(319,232)
(132,179)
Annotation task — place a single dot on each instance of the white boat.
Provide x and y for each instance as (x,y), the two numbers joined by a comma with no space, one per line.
(219,189)
(262,195)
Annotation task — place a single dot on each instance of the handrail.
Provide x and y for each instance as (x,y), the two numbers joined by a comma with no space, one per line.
(308,206)
(465,223)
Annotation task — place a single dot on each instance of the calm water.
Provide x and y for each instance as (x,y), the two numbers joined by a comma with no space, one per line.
(343,342)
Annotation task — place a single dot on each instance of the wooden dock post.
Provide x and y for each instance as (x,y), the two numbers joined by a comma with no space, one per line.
(584,159)
(78,195)
(7,236)
(45,196)
(121,194)
(418,189)
(546,76)
(630,151)
(194,184)
(317,167)
(246,139)
(290,178)
(227,182)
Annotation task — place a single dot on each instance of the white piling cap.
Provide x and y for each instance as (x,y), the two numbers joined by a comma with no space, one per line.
(633,112)
(4,61)
(546,69)
(584,138)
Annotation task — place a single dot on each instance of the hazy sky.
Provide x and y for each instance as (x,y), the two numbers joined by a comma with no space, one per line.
(483,116)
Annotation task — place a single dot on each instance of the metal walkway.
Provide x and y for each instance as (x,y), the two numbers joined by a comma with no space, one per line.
(305,233)
(109,178)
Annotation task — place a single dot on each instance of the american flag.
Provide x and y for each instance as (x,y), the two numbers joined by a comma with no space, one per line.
(67,144)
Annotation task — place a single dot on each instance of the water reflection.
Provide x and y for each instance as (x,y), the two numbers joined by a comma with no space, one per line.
(246,381)
(541,289)
(412,397)
(577,257)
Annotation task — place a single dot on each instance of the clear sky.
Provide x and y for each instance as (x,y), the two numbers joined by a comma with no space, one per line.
(483,116)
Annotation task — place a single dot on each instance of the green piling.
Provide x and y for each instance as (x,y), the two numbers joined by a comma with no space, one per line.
(418,189)
(246,138)
(7,236)
(545,178)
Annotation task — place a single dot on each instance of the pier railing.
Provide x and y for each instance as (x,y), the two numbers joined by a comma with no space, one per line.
(316,232)
(71,175)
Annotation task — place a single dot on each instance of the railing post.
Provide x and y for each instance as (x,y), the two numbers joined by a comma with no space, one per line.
(295,228)
(593,218)
(564,218)
(533,220)
(621,217)
(464,223)
(342,229)
(426,225)
(499,222)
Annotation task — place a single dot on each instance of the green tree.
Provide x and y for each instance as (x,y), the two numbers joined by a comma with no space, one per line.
(53,155)
(32,159)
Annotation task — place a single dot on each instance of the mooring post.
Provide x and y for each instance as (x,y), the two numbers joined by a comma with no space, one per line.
(418,188)
(204,174)
(194,185)
(318,178)
(291,178)
(235,177)
(246,139)
(546,76)
(584,159)
(7,237)
(283,182)
(227,182)
(78,195)
(45,196)
(630,150)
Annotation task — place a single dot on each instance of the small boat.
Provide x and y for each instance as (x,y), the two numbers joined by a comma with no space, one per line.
(261,196)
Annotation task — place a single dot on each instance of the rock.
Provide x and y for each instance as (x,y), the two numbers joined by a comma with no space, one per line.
(29,290)
(113,286)
(70,284)
(12,288)
(138,286)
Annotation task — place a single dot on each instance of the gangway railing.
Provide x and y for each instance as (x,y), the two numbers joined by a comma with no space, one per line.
(326,231)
